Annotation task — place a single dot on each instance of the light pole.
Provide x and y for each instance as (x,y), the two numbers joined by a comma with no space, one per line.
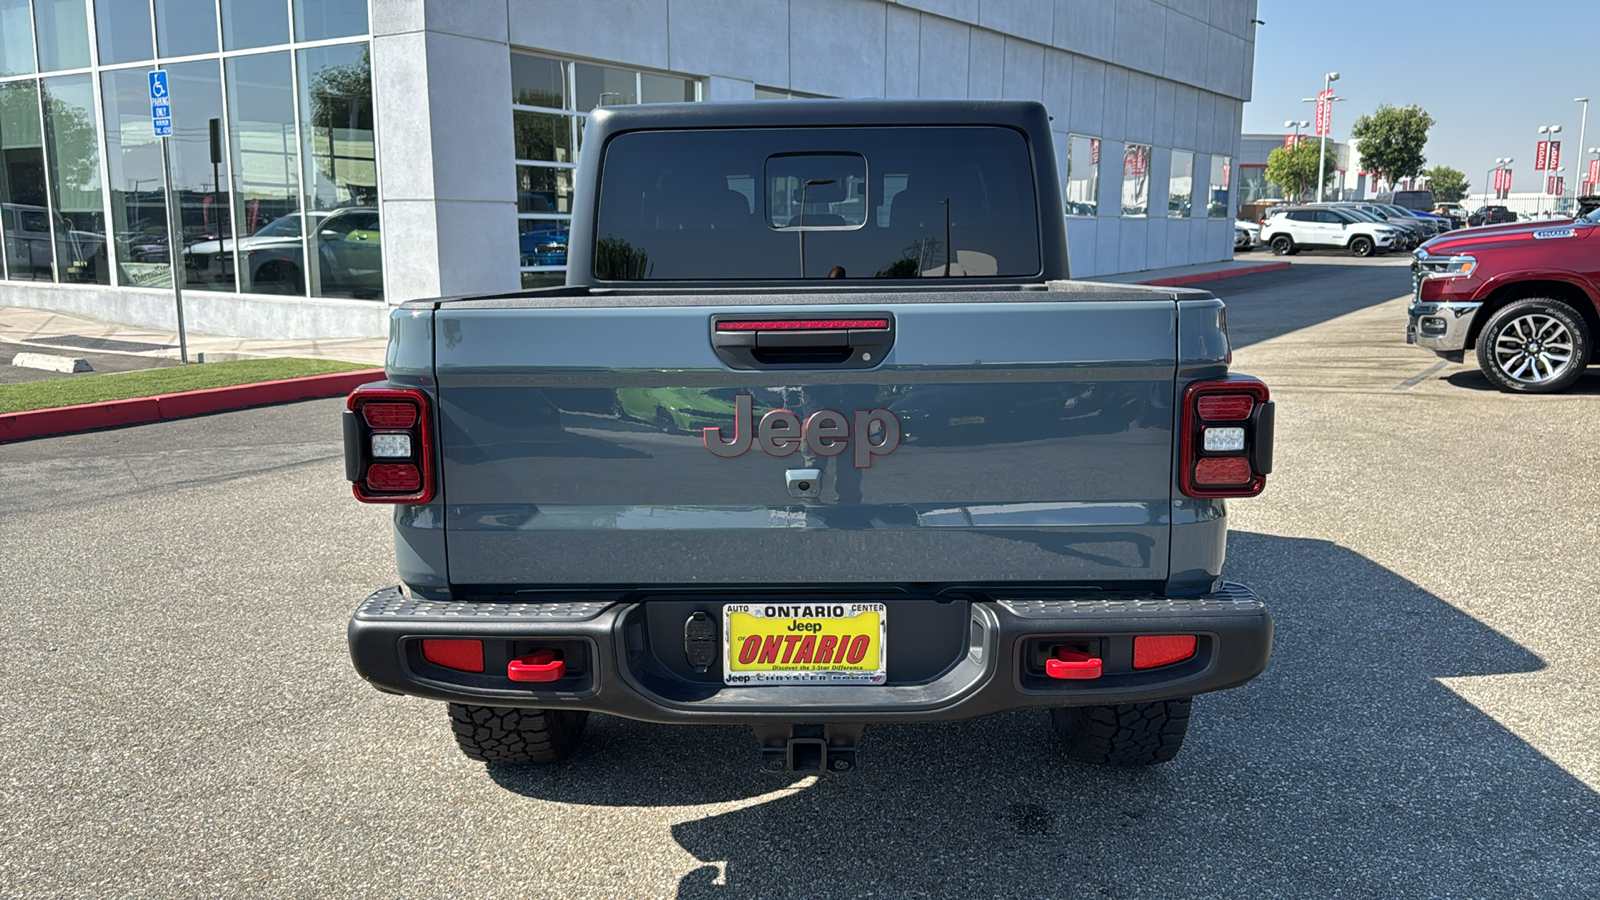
(1290,123)
(1551,131)
(1500,162)
(1583,129)
(1322,155)
(806,186)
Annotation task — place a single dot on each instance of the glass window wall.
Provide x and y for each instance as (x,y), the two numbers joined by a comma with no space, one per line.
(1083,176)
(24,206)
(62,29)
(264,178)
(186,27)
(550,100)
(266,175)
(122,28)
(1221,167)
(16,37)
(1136,180)
(72,149)
(1180,187)
(340,163)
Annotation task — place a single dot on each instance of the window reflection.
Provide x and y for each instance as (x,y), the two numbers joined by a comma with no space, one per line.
(544,190)
(186,27)
(1180,190)
(1083,176)
(199,174)
(340,165)
(316,20)
(266,174)
(1221,167)
(1136,180)
(133,175)
(254,23)
(62,29)
(24,213)
(74,155)
(602,86)
(123,30)
(16,38)
(543,242)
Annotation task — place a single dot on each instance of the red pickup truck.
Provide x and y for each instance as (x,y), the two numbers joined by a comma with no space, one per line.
(1526,296)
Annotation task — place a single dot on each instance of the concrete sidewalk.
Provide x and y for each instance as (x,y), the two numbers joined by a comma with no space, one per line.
(1197,274)
(68,335)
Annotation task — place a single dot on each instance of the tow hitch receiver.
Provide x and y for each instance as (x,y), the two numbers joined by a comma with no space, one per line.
(808,749)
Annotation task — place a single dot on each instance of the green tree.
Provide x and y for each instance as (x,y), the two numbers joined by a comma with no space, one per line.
(1294,169)
(1392,138)
(1448,185)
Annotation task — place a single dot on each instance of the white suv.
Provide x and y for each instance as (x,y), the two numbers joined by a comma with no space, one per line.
(1290,230)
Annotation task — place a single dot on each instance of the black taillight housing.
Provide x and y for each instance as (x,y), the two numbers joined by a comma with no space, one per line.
(1225,446)
(388,445)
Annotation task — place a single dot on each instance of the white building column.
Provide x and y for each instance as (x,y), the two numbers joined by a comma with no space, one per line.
(441,81)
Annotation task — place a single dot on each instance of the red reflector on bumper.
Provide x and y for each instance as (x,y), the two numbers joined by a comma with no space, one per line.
(1072,665)
(540,665)
(1225,407)
(393,478)
(1218,470)
(390,415)
(1151,651)
(453,653)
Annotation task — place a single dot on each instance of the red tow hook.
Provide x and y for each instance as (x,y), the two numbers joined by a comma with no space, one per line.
(1072,664)
(542,665)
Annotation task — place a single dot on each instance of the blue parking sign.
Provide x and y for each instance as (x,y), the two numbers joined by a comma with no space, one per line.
(160,104)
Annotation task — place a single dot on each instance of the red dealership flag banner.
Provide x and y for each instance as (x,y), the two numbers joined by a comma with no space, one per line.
(1506,191)
(1499,179)
(1539,155)
(1594,170)
(1554,162)
(1324,108)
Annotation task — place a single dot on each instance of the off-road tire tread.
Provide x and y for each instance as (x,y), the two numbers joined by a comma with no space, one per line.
(1126,734)
(515,736)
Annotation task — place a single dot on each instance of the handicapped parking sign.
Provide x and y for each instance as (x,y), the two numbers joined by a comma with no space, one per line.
(160,104)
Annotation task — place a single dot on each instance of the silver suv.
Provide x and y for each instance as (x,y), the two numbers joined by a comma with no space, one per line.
(1292,229)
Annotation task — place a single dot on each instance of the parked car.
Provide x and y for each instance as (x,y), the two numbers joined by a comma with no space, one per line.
(1455,212)
(1430,225)
(1491,215)
(1246,235)
(1292,229)
(1525,296)
(348,244)
(1413,200)
(1410,235)
(28,230)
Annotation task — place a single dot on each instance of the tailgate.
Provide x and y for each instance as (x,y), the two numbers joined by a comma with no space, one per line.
(1035,442)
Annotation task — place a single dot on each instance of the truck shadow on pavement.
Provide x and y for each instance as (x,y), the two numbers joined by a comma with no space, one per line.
(1347,769)
(1587,384)
(1272,304)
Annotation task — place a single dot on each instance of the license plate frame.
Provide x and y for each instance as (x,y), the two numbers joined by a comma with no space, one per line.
(763,622)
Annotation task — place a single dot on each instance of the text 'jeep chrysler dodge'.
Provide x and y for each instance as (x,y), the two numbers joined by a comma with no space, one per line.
(817,435)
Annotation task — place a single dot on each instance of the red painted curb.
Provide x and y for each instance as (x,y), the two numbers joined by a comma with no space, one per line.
(142,410)
(1217,275)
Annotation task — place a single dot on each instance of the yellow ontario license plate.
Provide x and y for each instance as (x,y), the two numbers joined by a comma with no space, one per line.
(804,643)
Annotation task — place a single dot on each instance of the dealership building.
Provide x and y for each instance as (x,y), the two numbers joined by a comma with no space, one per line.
(333,157)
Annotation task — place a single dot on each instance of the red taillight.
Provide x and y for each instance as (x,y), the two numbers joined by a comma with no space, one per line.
(398,478)
(1225,407)
(382,465)
(453,653)
(389,415)
(1229,468)
(1150,651)
(803,325)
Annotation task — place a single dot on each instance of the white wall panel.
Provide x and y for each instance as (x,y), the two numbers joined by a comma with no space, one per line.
(1087,114)
(1058,88)
(719,88)
(1141,108)
(1132,245)
(1155,244)
(1081,234)
(1114,120)
(1185,112)
(632,31)
(942,66)
(986,66)
(1030,19)
(962,10)
(1185,59)
(738,38)
(1107,246)
(1024,71)
(901,51)
(1140,35)
(1086,27)
(836,47)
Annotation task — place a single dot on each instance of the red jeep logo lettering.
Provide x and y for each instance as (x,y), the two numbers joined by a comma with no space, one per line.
(825,432)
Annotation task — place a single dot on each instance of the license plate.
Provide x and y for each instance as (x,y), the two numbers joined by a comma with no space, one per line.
(805,643)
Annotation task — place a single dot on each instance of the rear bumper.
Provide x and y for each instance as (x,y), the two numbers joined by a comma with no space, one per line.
(615,653)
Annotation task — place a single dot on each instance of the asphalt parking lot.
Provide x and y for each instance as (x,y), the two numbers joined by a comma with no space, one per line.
(182,718)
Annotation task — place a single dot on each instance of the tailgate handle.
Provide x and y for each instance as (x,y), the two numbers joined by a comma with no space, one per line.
(858,341)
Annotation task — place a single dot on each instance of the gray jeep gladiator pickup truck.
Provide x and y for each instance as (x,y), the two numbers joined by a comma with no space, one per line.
(816,435)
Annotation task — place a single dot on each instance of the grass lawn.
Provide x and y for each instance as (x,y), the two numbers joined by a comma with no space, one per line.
(170,380)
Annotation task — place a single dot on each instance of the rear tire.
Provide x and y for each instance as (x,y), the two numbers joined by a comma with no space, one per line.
(1126,734)
(1283,245)
(1361,246)
(515,736)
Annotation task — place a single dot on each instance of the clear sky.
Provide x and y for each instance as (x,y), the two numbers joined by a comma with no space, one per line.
(1490,73)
